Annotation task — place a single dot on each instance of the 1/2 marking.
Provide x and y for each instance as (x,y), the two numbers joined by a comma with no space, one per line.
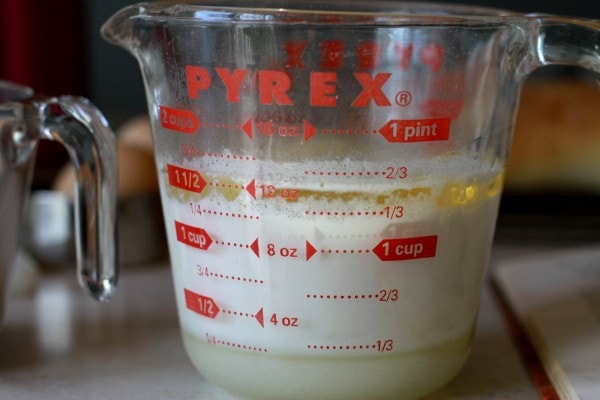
(201,304)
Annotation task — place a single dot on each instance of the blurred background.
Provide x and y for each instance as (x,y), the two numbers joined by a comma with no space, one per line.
(55,47)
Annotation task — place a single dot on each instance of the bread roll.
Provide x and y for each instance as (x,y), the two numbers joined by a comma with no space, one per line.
(135,161)
(556,143)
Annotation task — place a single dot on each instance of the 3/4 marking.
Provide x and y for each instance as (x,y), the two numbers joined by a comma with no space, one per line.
(204,272)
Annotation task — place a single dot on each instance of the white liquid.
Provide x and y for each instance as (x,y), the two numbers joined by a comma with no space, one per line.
(307,308)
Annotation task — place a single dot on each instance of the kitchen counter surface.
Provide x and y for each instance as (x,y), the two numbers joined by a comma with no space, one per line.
(57,343)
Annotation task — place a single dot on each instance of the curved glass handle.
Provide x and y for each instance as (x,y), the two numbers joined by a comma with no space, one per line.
(90,143)
(564,40)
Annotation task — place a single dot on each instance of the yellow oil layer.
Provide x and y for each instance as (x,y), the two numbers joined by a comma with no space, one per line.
(450,194)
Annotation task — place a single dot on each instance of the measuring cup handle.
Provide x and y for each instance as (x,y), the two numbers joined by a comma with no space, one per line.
(564,40)
(90,143)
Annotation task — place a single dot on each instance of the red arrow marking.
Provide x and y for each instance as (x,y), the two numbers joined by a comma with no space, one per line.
(247,128)
(309,130)
(251,188)
(310,250)
(254,247)
(178,120)
(200,304)
(260,317)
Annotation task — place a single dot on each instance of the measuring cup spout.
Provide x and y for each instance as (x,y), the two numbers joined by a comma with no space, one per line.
(119,29)
(563,40)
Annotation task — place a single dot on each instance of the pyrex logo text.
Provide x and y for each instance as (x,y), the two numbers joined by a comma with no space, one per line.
(273,85)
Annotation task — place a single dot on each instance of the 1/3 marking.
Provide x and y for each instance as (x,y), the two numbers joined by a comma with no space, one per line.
(384,346)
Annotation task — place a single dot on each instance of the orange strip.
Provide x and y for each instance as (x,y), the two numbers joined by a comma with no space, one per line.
(533,365)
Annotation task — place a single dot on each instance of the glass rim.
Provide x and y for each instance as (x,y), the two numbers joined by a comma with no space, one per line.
(352,12)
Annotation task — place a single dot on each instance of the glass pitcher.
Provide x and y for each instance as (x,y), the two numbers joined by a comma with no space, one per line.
(330,175)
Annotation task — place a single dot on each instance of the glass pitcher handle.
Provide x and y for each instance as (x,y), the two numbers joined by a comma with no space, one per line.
(90,143)
(564,40)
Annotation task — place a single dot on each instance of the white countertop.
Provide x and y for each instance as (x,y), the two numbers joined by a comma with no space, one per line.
(57,343)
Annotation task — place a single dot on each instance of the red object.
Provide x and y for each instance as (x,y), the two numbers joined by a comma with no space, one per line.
(41,45)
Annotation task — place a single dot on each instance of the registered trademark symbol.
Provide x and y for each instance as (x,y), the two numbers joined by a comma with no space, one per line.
(403,98)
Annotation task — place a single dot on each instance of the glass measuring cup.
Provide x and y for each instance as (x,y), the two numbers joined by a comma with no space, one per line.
(330,176)
(81,128)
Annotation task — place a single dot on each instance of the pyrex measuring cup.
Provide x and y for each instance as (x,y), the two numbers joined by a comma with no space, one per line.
(330,176)
(79,126)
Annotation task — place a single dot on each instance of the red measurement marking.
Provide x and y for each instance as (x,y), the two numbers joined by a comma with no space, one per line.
(251,188)
(236,278)
(183,121)
(381,346)
(252,246)
(259,316)
(359,131)
(406,248)
(248,128)
(416,130)
(226,185)
(333,213)
(200,304)
(309,130)
(220,125)
(383,296)
(190,150)
(348,174)
(255,248)
(343,297)
(193,236)
(345,251)
(312,250)
(228,214)
(225,156)
(186,179)
(342,347)
(214,341)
